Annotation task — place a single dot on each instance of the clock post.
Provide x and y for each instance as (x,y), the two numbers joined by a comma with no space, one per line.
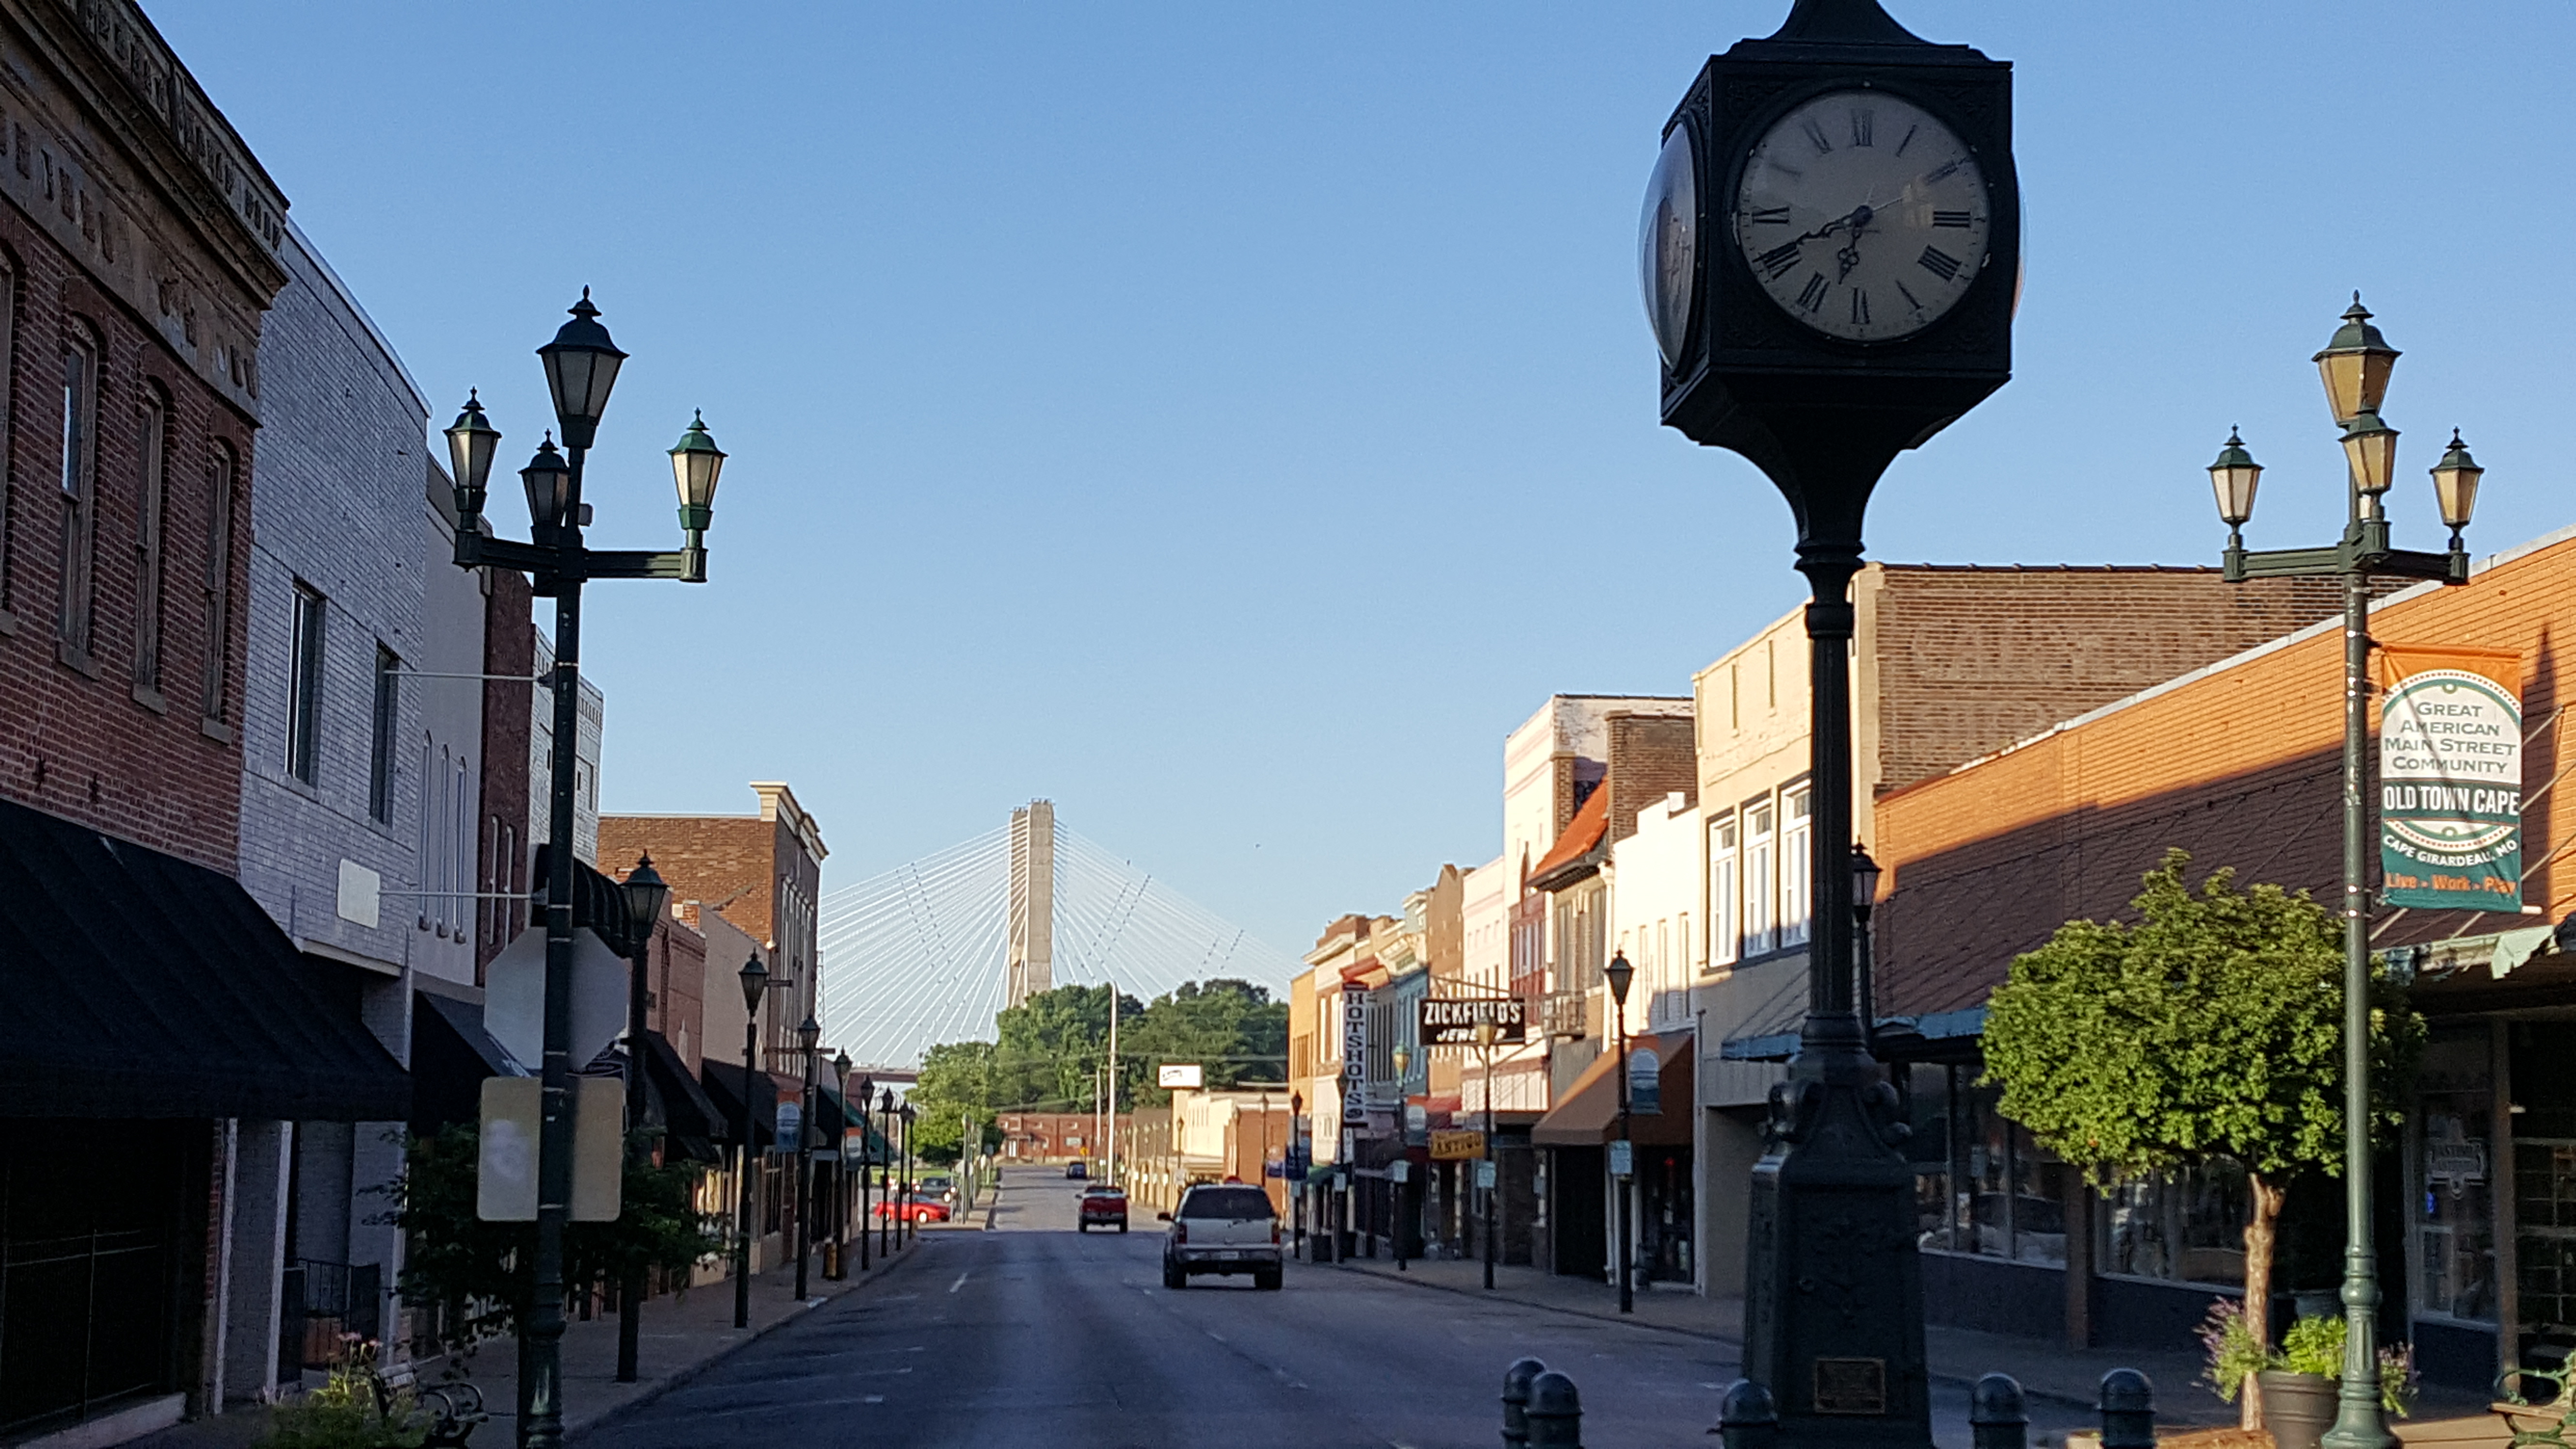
(1830,251)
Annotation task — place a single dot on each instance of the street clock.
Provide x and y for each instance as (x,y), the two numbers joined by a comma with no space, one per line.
(1833,228)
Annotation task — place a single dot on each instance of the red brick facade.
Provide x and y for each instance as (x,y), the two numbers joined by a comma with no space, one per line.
(101,727)
(2238,764)
(501,854)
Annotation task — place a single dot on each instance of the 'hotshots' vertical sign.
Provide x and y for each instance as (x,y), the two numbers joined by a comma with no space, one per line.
(2450,778)
(1354,1049)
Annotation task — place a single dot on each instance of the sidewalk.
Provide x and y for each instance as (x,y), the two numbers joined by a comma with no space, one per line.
(2069,1376)
(682,1337)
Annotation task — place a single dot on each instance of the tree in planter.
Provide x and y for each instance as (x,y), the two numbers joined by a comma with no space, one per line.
(2211,1030)
(470,1270)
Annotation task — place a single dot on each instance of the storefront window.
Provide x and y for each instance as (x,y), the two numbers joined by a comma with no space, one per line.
(2186,1226)
(1982,1185)
(2454,1164)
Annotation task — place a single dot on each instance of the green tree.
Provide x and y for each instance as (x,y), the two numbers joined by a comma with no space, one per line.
(2211,1029)
(471,1271)
(1232,1026)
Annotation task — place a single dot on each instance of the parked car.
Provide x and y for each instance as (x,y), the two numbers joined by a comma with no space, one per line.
(937,1189)
(1077,1168)
(915,1210)
(1223,1228)
(1102,1204)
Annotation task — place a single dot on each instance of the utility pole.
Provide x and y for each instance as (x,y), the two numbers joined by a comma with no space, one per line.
(1111,1174)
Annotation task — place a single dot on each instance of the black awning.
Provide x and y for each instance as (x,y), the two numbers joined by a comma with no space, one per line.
(684,1107)
(723,1083)
(451,1056)
(598,902)
(134,984)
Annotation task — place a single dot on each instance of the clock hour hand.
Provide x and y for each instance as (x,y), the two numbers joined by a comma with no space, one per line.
(1849,256)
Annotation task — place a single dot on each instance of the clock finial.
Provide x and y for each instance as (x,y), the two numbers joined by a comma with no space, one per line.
(1844,20)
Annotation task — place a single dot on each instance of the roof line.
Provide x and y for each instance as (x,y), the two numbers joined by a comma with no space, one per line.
(2323,626)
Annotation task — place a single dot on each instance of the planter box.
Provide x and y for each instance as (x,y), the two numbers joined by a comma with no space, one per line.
(2297,1408)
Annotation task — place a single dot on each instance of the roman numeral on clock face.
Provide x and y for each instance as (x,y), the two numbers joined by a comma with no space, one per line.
(1813,298)
(1860,122)
(1859,308)
(1769,216)
(1944,171)
(1779,261)
(1815,130)
(1959,219)
(1939,263)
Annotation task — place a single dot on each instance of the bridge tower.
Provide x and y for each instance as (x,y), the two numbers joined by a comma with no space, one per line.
(1032,953)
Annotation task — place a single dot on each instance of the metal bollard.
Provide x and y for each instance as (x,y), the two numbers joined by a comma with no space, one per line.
(1516,1392)
(1998,1416)
(1555,1413)
(1746,1418)
(2128,1410)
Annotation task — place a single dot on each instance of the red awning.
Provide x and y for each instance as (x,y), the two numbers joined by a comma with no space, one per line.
(1582,833)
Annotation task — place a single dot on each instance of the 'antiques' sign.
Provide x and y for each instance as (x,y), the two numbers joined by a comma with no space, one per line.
(1449,1145)
(2450,778)
(1453,1022)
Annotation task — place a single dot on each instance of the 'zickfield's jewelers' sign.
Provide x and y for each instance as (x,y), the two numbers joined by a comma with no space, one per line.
(2450,778)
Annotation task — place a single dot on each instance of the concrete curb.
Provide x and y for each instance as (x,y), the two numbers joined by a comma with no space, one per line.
(687,1373)
(1632,1321)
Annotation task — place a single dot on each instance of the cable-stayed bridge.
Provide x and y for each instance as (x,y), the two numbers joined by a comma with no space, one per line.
(929,951)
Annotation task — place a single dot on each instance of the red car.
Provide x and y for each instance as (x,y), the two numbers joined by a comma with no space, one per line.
(915,1210)
(1101,1206)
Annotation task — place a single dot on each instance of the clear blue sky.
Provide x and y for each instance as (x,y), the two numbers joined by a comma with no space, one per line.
(1231,420)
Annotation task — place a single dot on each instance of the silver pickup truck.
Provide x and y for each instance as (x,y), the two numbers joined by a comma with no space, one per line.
(1222,1227)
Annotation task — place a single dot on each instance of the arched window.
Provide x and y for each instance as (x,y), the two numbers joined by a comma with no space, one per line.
(151,452)
(76,479)
(223,481)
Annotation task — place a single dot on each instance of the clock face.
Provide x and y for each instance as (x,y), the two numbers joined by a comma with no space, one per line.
(1863,216)
(1668,245)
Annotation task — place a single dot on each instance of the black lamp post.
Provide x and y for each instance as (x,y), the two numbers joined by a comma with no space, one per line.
(581,366)
(808,1033)
(2355,366)
(885,1226)
(906,1226)
(1864,874)
(755,981)
(841,1175)
(645,896)
(1819,328)
(1620,973)
(1487,1032)
(863,1099)
(1401,1057)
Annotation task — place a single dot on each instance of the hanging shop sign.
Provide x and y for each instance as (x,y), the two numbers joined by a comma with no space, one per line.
(791,1124)
(2450,778)
(1453,1022)
(1457,1146)
(1189,1075)
(1645,1083)
(1354,1045)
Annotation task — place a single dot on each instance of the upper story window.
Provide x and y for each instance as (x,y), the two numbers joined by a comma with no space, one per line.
(151,451)
(304,685)
(215,588)
(1761,878)
(1725,890)
(77,484)
(1796,862)
(380,750)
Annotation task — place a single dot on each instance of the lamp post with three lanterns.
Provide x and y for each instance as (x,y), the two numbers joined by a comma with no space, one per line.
(2355,366)
(581,367)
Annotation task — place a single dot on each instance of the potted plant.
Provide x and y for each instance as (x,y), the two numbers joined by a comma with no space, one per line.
(2299,1384)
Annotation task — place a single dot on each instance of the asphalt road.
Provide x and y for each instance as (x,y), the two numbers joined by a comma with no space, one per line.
(1034,1335)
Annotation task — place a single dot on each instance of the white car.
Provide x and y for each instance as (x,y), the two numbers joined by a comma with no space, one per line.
(1223,1227)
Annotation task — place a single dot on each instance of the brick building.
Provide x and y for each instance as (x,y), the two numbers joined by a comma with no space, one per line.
(2239,763)
(763,873)
(159,1034)
(1948,663)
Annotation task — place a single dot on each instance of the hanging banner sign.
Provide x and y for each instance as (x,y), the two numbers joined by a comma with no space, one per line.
(791,1124)
(2450,778)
